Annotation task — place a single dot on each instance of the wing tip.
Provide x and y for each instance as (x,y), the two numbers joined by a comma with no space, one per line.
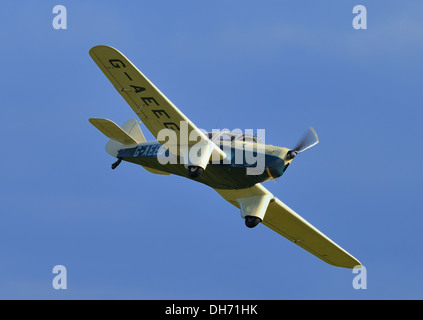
(99,48)
(351,264)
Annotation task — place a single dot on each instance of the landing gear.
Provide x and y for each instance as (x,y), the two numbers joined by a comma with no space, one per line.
(194,171)
(115,164)
(251,221)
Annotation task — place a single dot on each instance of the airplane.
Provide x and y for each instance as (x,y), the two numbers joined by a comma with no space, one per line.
(210,158)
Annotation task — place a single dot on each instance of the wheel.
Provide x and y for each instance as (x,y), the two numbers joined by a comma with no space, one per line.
(251,221)
(194,171)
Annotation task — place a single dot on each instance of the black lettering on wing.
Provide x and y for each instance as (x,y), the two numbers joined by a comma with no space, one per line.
(138,89)
(128,76)
(171,125)
(116,63)
(158,113)
(148,100)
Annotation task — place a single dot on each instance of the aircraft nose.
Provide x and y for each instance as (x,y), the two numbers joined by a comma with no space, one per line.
(275,167)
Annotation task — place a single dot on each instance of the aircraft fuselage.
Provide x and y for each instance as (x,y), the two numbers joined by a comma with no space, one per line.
(230,173)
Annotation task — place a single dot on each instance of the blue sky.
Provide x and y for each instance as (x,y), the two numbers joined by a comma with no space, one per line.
(276,65)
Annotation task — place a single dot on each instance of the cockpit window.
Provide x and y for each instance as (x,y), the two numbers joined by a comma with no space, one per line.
(232,136)
(227,137)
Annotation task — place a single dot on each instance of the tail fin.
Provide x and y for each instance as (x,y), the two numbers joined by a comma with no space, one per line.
(129,134)
(133,129)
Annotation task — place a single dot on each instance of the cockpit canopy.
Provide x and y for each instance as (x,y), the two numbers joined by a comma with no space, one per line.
(232,136)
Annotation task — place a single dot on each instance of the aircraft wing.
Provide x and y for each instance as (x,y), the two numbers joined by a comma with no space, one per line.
(153,108)
(285,221)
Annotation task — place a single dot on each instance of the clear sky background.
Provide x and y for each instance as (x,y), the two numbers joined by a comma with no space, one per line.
(276,65)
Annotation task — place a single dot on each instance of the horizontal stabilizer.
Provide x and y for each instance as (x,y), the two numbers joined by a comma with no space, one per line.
(113,131)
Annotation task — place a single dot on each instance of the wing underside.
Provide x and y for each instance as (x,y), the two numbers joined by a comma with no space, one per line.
(152,107)
(282,219)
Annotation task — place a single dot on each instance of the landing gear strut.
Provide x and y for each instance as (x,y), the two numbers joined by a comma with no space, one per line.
(115,164)
(251,221)
(194,171)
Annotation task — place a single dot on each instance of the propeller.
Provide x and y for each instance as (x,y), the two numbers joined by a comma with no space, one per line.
(309,140)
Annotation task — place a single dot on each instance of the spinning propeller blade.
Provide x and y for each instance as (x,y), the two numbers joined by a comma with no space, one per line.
(309,140)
